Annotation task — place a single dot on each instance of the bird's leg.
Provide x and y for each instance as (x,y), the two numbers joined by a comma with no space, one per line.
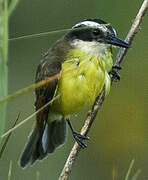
(114,74)
(77,136)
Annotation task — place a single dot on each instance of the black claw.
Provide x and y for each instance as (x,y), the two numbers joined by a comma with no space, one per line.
(77,136)
(80,136)
(115,75)
(79,141)
(117,67)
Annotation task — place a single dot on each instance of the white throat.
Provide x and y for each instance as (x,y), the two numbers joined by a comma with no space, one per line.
(91,48)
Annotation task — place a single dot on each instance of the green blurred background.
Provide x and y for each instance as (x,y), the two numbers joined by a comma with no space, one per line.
(120,132)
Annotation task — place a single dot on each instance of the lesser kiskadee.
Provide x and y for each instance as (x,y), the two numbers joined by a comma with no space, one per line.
(83,58)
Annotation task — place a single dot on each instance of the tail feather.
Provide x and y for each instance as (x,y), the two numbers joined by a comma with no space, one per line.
(38,147)
(30,148)
(58,131)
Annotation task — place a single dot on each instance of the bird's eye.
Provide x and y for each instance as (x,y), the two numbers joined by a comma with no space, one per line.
(96,32)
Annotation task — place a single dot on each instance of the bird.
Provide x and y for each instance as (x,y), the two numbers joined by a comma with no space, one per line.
(84,61)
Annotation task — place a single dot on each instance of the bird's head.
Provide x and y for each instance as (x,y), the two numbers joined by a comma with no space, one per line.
(94,34)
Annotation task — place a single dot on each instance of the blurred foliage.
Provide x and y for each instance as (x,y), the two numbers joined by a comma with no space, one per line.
(3,61)
(6,8)
(119,133)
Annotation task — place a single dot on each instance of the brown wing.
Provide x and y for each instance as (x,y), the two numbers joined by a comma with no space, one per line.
(44,94)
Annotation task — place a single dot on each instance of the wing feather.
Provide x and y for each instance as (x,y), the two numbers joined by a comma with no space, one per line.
(47,68)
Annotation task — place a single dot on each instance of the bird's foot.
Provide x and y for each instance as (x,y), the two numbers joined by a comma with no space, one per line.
(115,76)
(77,136)
(79,139)
(116,67)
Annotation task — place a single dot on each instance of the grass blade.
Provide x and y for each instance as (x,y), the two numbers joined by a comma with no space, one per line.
(8,137)
(136,175)
(29,117)
(39,34)
(10,170)
(129,170)
(28,89)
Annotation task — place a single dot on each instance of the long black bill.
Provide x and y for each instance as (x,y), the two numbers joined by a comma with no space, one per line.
(118,42)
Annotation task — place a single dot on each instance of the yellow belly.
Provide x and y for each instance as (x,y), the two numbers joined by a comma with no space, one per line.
(82,79)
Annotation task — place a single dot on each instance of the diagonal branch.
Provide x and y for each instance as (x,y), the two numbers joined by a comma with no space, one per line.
(98,103)
(132,32)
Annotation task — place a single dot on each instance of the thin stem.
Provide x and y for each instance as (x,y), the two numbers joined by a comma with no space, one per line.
(10,170)
(129,170)
(28,89)
(3,60)
(43,34)
(29,117)
(38,35)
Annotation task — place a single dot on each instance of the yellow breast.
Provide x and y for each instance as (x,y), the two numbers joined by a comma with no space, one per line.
(82,79)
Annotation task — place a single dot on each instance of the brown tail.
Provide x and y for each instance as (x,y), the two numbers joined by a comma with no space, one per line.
(38,147)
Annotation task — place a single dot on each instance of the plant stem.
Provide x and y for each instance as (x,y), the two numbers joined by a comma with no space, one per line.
(3,61)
